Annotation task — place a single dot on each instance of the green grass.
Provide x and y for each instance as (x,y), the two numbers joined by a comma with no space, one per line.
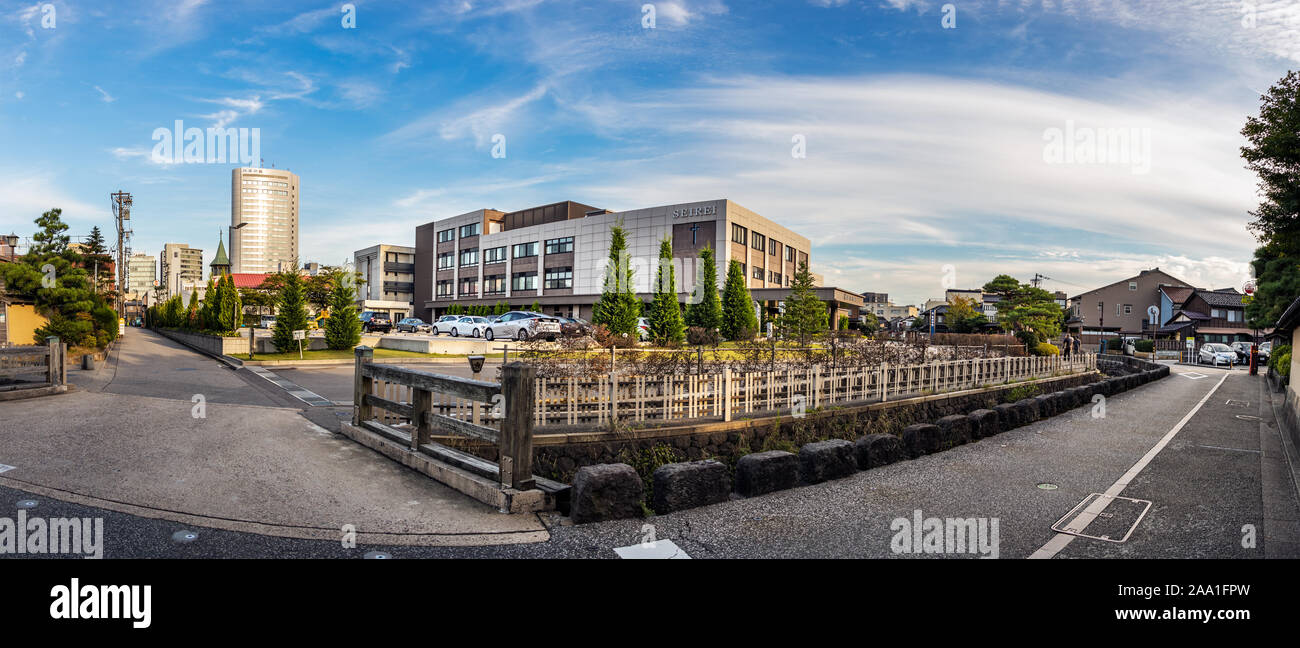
(348,354)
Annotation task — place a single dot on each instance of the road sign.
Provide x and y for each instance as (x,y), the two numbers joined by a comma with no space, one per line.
(300,335)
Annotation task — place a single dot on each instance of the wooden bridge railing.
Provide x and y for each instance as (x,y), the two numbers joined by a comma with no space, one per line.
(500,413)
(49,359)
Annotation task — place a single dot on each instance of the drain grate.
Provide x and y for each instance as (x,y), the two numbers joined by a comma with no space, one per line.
(1103,517)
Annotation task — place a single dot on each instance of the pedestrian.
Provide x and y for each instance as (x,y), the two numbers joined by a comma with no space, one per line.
(1065,346)
(1076,345)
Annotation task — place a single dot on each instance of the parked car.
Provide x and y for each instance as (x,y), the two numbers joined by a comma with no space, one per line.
(413,325)
(642,329)
(372,321)
(1242,349)
(1263,351)
(443,324)
(522,325)
(574,327)
(1217,354)
(267,321)
(470,326)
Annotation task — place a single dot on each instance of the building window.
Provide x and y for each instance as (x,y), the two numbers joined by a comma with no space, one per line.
(1132,285)
(469,287)
(776,278)
(446,260)
(524,280)
(758,242)
(447,236)
(1128,309)
(773,247)
(744,269)
(758,273)
(524,250)
(494,255)
(469,257)
(803,258)
(444,288)
(559,278)
(494,285)
(789,253)
(559,245)
(738,234)
(470,230)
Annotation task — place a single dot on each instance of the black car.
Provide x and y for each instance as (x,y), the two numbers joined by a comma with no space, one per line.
(372,321)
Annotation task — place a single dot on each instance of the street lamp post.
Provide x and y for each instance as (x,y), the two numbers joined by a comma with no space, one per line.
(252,333)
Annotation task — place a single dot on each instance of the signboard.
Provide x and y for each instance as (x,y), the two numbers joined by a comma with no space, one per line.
(300,335)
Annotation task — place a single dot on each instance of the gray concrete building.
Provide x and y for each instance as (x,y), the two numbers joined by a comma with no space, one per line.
(264,231)
(388,279)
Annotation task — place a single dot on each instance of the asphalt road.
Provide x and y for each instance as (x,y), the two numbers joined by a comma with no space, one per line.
(1221,470)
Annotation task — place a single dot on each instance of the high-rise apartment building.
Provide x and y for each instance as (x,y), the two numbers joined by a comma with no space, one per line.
(141,272)
(263,220)
(180,266)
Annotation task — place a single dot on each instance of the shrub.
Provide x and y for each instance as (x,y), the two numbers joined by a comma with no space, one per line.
(1021,392)
(1145,346)
(1280,360)
(1046,349)
(700,336)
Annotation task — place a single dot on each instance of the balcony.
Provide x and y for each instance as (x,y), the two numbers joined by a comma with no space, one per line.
(399,286)
(405,268)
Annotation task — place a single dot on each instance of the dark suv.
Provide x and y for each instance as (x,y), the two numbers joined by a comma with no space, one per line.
(372,321)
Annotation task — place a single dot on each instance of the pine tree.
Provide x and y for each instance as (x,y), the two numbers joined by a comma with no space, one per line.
(665,313)
(536,307)
(618,307)
(706,313)
(207,310)
(342,328)
(52,237)
(291,313)
(192,311)
(805,315)
(229,307)
(738,319)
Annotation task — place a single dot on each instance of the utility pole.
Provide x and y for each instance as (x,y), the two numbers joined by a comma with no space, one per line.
(122,214)
(1039,279)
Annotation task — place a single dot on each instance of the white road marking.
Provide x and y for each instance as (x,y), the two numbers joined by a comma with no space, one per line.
(657,550)
(1063,540)
(5,468)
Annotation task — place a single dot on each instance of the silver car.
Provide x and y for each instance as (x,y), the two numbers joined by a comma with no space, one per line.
(469,326)
(444,323)
(523,325)
(1216,354)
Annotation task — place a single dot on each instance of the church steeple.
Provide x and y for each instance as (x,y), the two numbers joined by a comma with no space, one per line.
(221,263)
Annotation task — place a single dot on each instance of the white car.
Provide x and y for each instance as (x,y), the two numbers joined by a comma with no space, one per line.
(444,323)
(522,325)
(469,326)
(1216,354)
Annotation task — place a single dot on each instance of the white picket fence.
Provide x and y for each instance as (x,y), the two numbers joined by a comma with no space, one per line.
(585,401)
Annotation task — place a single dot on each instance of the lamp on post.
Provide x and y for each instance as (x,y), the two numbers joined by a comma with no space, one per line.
(11,240)
(252,333)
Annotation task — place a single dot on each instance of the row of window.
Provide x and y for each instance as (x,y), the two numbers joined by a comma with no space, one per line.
(556,278)
(498,254)
(773,276)
(743,236)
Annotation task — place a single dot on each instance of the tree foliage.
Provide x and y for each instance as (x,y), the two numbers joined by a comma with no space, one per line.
(666,325)
(706,311)
(618,307)
(805,315)
(1031,313)
(1273,153)
(291,313)
(738,319)
(343,327)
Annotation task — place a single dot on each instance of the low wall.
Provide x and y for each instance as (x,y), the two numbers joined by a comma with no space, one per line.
(210,344)
(558,456)
(440,344)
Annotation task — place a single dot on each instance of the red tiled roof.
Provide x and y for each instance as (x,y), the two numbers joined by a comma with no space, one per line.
(249,279)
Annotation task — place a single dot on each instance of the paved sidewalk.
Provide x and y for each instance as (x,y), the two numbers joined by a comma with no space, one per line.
(196,453)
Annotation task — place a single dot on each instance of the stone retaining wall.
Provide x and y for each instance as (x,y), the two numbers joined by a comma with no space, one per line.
(687,485)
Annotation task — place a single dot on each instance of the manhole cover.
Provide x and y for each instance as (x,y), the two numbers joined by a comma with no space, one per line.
(1047,486)
(184,537)
(378,555)
(1103,517)
(26,504)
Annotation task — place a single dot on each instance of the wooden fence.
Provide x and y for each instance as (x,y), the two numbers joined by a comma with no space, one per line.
(38,365)
(597,400)
(499,413)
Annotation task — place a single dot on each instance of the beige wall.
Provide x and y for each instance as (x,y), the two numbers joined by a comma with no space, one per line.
(21,321)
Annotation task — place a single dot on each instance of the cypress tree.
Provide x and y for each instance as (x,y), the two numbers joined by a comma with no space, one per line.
(342,328)
(805,315)
(618,307)
(707,312)
(665,313)
(291,313)
(738,319)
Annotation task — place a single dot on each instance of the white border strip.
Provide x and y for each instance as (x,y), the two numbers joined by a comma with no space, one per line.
(1063,540)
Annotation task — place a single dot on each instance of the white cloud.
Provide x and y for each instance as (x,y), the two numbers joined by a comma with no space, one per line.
(104,96)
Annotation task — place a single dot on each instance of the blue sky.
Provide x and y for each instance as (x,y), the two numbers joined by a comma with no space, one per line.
(925,146)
